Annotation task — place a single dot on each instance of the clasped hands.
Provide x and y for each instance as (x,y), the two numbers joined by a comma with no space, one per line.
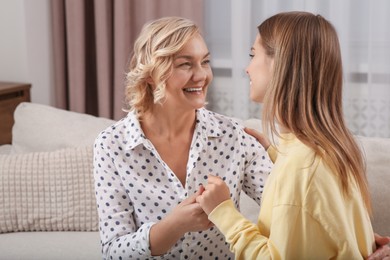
(191,214)
(215,192)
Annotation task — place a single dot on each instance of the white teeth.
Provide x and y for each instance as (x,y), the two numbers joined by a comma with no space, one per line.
(192,89)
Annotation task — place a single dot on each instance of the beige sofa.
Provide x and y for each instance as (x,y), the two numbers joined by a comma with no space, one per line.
(48,210)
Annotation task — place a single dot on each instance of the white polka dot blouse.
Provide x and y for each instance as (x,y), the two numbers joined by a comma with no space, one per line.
(135,188)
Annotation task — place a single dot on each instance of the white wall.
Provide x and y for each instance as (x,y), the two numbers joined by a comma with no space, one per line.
(25,46)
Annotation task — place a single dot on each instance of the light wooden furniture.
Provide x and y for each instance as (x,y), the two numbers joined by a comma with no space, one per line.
(11,95)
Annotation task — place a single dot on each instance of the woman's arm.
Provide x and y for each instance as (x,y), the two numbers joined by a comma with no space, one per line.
(257,167)
(293,229)
(115,209)
(243,236)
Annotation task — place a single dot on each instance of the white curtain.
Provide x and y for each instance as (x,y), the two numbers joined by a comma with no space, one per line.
(364,32)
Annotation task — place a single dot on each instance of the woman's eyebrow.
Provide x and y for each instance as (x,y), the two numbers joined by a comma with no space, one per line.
(189,57)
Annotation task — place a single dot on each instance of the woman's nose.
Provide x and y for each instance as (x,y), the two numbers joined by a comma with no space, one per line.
(200,73)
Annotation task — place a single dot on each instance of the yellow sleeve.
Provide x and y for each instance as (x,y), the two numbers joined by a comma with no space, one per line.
(294,235)
(244,237)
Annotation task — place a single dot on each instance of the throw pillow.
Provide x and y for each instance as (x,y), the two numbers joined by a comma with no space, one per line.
(39,128)
(48,191)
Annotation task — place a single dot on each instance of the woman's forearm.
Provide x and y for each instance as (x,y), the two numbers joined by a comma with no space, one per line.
(163,235)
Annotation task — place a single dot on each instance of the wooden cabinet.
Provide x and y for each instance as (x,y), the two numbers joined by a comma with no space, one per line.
(11,95)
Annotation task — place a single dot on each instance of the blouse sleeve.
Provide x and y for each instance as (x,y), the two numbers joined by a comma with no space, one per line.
(257,168)
(117,223)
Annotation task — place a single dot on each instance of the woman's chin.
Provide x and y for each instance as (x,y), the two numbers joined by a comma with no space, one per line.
(255,98)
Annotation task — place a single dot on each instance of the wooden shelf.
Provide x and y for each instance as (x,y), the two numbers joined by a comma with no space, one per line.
(11,95)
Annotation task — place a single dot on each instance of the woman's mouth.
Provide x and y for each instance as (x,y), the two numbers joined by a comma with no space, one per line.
(193,89)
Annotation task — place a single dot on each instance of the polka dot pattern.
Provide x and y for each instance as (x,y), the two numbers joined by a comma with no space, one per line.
(135,188)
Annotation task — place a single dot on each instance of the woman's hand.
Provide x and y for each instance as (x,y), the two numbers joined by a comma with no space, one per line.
(190,216)
(382,248)
(261,138)
(216,192)
(186,217)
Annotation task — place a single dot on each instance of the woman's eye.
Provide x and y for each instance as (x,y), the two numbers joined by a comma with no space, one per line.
(185,64)
(251,55)
(206,62)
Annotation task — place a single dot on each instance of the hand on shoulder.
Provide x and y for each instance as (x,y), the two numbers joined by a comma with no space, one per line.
(260,137)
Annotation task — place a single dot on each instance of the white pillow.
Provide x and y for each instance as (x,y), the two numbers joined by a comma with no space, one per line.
(44,128)
(48,191)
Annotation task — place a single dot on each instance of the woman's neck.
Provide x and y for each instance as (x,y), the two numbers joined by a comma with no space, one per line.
(168,124)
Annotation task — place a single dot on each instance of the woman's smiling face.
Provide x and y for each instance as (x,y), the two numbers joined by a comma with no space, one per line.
(259,71)
(191,75)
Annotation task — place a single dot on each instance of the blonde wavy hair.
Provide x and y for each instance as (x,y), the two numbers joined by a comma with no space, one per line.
(305,92)
(152,60)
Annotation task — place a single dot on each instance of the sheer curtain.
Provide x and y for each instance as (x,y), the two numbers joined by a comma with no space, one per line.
(364,32)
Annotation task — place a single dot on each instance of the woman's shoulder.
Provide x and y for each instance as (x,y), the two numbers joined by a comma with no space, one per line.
(118,128)
(295,160)
(211,117)
(231,129)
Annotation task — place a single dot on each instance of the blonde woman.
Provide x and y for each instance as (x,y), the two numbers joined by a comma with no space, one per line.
(316,203)
(149,166)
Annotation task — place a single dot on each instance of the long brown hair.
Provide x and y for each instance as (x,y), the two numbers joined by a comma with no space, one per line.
(305,92)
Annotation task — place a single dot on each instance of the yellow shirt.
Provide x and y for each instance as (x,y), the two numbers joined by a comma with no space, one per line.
(304,214)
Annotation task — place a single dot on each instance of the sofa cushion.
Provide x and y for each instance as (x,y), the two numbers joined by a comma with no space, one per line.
(44,128)
(51,246)
(48,191)
(377,153)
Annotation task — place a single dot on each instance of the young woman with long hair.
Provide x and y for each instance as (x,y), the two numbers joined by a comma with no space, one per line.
(316,203)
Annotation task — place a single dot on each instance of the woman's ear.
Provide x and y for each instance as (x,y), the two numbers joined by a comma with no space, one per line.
(150,81)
